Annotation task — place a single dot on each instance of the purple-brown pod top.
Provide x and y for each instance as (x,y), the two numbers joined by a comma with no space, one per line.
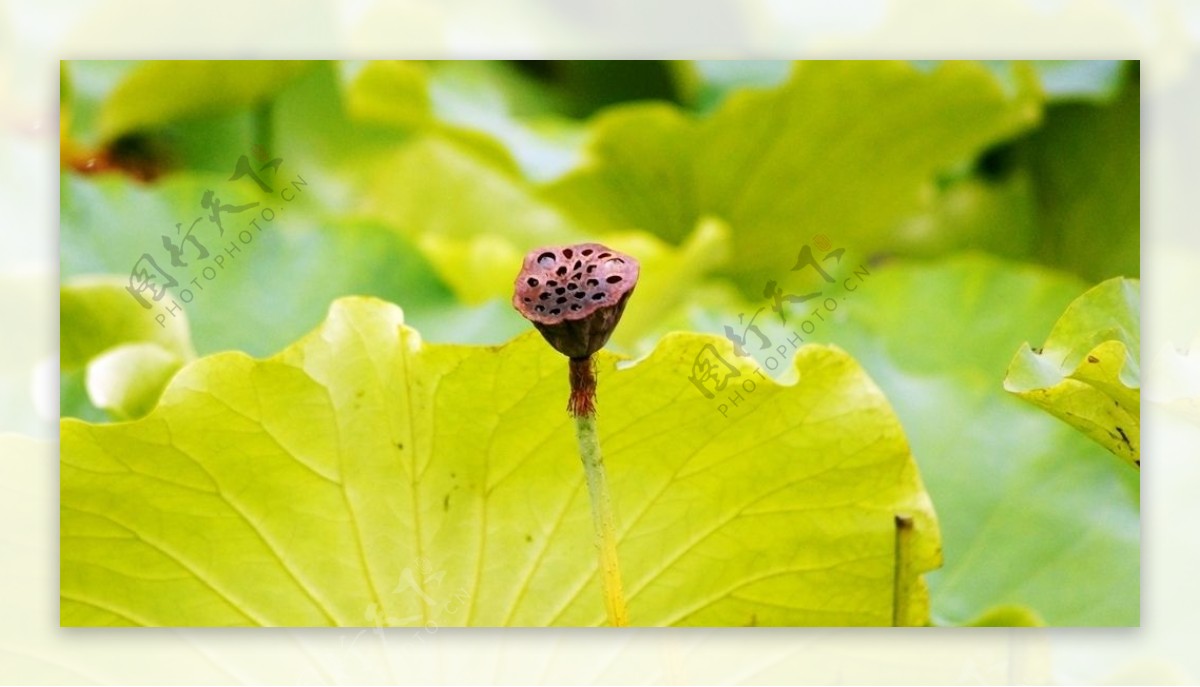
(575,295)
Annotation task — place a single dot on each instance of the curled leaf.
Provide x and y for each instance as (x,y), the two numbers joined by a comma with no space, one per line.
(1087,374)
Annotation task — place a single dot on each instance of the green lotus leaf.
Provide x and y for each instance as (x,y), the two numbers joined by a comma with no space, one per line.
(488,106)
(114,354)
(1025,501)
(159,92)
(820,154)
(474,240)
(98,314)
(127,380)
(281,279)
(1088,195)
(432,186)
(363,477)
(1008,616)
(1087,373)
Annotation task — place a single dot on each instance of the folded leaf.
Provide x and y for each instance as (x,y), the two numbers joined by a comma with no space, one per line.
(363,477)
(127,380)
(98,313)
(1087,374)
(124,353)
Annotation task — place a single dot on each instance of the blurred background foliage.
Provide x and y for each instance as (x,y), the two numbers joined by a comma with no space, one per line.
(980,197)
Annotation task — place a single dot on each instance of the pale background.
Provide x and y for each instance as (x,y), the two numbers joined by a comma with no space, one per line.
(35,34)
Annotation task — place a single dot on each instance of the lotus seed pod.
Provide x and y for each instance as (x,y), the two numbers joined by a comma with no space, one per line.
(575,295)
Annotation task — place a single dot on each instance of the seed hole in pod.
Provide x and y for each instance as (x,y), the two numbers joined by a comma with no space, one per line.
(567,253)
(574,307)
(595,297)
(572,286)
(531,281)
(591,268)
(561,300)
(613,279)
(527,299)
(578,264)
(580,294)
(560,290)
(543,296)
(586,252)
(546,259)
(551,283)
(593,282)
(603,255)
(555,311)
(540,308)
(613,262)
(561,271)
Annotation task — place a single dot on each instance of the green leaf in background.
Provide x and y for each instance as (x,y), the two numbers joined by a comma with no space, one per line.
(123,353)
(671,277)
(1087,373)
(83,87)
(475,223)
(1078,80)
(159,92)
(488,106)
(1033,514)
(842,148)
(1085,161)
(1059,80)
(392,92)
(364,477)
(706,83)
(1064,194)
(270,290)
(638,174)
(1007,616)
(581,88)
(98,314)
(445,198)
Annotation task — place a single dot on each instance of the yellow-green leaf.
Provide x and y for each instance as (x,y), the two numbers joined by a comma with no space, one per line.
(98,313)
(156,93)
(1087,374)
(125,352)
(364,477)
(1008,615)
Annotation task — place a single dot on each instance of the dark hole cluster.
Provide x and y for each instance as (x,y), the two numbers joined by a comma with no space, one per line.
(562,283)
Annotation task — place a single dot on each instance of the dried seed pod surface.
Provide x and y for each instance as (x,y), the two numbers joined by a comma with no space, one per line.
(575,294)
